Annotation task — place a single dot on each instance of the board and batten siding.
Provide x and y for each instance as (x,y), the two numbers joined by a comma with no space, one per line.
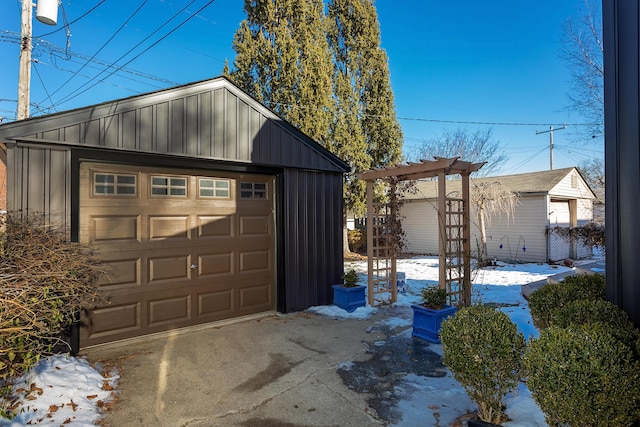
(312,247)
(40,183)
(212,124)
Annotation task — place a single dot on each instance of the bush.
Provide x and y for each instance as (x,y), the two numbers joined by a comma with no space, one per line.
(434,297)
(484,350)
(546,301)
(45,281)
(583,376)
(350,278)
(605,313)
(357,240)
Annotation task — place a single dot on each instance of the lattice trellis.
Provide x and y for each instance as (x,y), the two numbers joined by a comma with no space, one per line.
(382,266)
(455,276)
(454,230)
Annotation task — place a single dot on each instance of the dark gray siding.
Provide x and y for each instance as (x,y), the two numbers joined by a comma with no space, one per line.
(39,180)
(207,125)
(312,244)
(217,121)
(622,152)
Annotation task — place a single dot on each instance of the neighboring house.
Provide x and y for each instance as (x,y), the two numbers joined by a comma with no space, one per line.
(204,204)
(547,199)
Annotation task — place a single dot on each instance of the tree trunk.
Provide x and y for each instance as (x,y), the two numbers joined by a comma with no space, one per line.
(345,233)
(345,240)
(482,255)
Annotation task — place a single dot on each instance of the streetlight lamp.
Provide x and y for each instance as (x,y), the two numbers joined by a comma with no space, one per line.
(47,13)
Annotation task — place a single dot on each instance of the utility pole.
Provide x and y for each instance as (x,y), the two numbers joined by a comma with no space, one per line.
(24,76)
(550,131)
(47,14)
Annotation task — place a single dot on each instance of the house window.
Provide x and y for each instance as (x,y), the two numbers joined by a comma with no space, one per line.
(110,184)
(210,188)
(168,186)
(253,190)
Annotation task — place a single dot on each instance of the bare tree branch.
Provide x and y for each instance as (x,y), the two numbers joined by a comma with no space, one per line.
(583,51)
(478,146)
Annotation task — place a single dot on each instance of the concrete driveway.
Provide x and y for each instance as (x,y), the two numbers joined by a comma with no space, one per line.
(277,370)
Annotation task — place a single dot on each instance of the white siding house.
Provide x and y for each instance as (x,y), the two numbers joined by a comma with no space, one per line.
(547,199)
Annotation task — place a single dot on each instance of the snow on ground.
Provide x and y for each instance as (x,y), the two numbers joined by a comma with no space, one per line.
(62,390)
(69,390)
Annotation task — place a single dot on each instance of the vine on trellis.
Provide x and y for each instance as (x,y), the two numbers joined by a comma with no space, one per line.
(590,234)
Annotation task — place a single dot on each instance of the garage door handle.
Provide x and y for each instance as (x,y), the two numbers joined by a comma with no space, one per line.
(194,266)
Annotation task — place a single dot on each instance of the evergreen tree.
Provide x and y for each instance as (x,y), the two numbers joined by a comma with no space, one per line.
(282,59)
(362,89)
(327,75)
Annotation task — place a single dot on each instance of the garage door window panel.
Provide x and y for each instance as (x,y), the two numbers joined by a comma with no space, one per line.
(168,186)
(253,190)
(212,188)
(111,184)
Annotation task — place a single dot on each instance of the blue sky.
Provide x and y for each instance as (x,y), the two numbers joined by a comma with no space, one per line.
(453,64)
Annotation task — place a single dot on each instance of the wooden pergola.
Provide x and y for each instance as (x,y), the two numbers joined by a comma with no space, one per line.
(454,243)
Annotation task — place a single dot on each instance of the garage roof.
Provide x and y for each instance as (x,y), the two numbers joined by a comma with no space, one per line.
(211,119)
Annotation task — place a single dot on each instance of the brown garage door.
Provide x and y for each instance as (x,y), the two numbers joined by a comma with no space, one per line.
(182,247)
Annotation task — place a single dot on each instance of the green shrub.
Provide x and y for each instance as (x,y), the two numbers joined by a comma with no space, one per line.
(546,301)
(351,278)
(434,297)
(583,376)
(483,349)
(45,281)
(609,315)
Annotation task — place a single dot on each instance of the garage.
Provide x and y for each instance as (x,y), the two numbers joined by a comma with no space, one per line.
(203,204)
(181,248)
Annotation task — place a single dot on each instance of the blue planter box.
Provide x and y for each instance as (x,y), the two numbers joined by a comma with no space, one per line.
(426,321)
(349,298)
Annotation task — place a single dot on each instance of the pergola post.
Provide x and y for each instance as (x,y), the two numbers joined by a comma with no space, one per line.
(466,242)
(442,232)
(393,214)
(370,219)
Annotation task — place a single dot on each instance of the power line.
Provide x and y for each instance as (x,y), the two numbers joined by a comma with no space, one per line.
(35,68)
(525,161)
(571,147)
(100,49)
(271,104)
(75,20)
(55,51)
(75,93)
(88,77)
(462,122)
